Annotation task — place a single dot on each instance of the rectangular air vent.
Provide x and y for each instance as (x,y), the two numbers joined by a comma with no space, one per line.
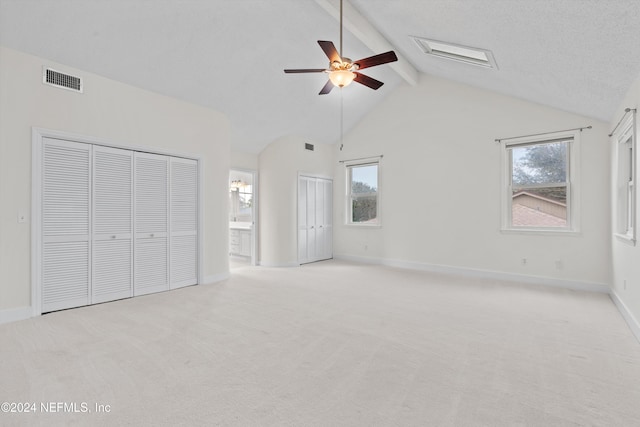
(61,80)
(308,146)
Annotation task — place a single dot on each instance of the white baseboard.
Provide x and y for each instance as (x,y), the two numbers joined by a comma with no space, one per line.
(485,274)
(216,278)
(633,323)
(15,314)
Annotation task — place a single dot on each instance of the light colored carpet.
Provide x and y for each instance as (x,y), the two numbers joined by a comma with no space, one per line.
(331,344)
(238,262)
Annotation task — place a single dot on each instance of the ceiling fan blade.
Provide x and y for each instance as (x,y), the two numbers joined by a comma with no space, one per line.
(306,70)
(367,81)
(374,60)
(330,51)
(327,88)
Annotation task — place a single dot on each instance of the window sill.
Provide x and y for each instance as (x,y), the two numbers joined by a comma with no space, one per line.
(625,238)
(363,225)
(540,232)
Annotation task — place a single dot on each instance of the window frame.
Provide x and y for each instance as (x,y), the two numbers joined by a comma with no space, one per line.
(626,202)
(572,183)
(348,199)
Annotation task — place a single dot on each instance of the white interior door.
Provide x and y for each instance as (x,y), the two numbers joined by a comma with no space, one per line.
(112,254)
(184,223)
(66,224)
(151,223)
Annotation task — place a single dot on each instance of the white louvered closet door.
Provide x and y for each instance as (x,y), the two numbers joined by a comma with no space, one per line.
(66,222)
(315,224)
(319,206)
(151,175)
(302,220)
(327,252)
(183,268)
(112,255)
(312,253)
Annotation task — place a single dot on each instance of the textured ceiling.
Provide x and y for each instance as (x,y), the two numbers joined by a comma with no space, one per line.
(576,55)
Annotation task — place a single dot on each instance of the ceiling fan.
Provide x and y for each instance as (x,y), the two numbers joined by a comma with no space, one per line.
(342,70)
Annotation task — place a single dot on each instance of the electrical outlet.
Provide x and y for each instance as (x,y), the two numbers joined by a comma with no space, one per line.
(524,261)
(559,265)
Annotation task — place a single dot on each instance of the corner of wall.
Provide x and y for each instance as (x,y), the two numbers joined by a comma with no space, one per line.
(628,316)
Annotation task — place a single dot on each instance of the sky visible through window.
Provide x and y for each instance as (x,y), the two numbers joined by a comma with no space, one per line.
(366,174)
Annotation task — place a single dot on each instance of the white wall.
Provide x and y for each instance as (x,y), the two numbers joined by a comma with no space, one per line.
(440,186)
(241,160)
(626,258)
(280,162)
(109,111)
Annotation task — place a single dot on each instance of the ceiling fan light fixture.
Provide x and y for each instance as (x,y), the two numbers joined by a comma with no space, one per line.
(341,78)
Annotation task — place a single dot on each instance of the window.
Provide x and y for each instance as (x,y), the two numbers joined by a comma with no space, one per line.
(539,176)
(625,192)
(363,201)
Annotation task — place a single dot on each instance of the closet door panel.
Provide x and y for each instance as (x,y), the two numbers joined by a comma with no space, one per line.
(311,220)
(328,219)
(184,223)
(184,256)
(150,265)
(319,207)
(302,220)
(112,255)
(112,270)
(184,196)
(151,194)
(65,275)
(66,193)
(151,174)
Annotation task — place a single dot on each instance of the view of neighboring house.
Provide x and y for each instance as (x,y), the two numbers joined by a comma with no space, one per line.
(528,209)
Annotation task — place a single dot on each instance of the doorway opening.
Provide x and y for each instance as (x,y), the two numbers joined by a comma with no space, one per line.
(242,218)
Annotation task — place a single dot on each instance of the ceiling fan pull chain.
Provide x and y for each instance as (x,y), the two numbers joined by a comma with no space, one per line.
(341,120)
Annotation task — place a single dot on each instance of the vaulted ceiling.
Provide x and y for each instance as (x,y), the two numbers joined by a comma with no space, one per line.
(576,55)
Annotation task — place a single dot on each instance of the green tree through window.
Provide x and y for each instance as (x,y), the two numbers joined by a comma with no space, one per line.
(364,202)
(363,194)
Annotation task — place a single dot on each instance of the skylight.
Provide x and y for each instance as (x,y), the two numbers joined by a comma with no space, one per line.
(455,52)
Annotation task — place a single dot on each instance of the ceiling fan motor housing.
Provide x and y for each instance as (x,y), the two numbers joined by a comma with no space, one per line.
(345,65)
